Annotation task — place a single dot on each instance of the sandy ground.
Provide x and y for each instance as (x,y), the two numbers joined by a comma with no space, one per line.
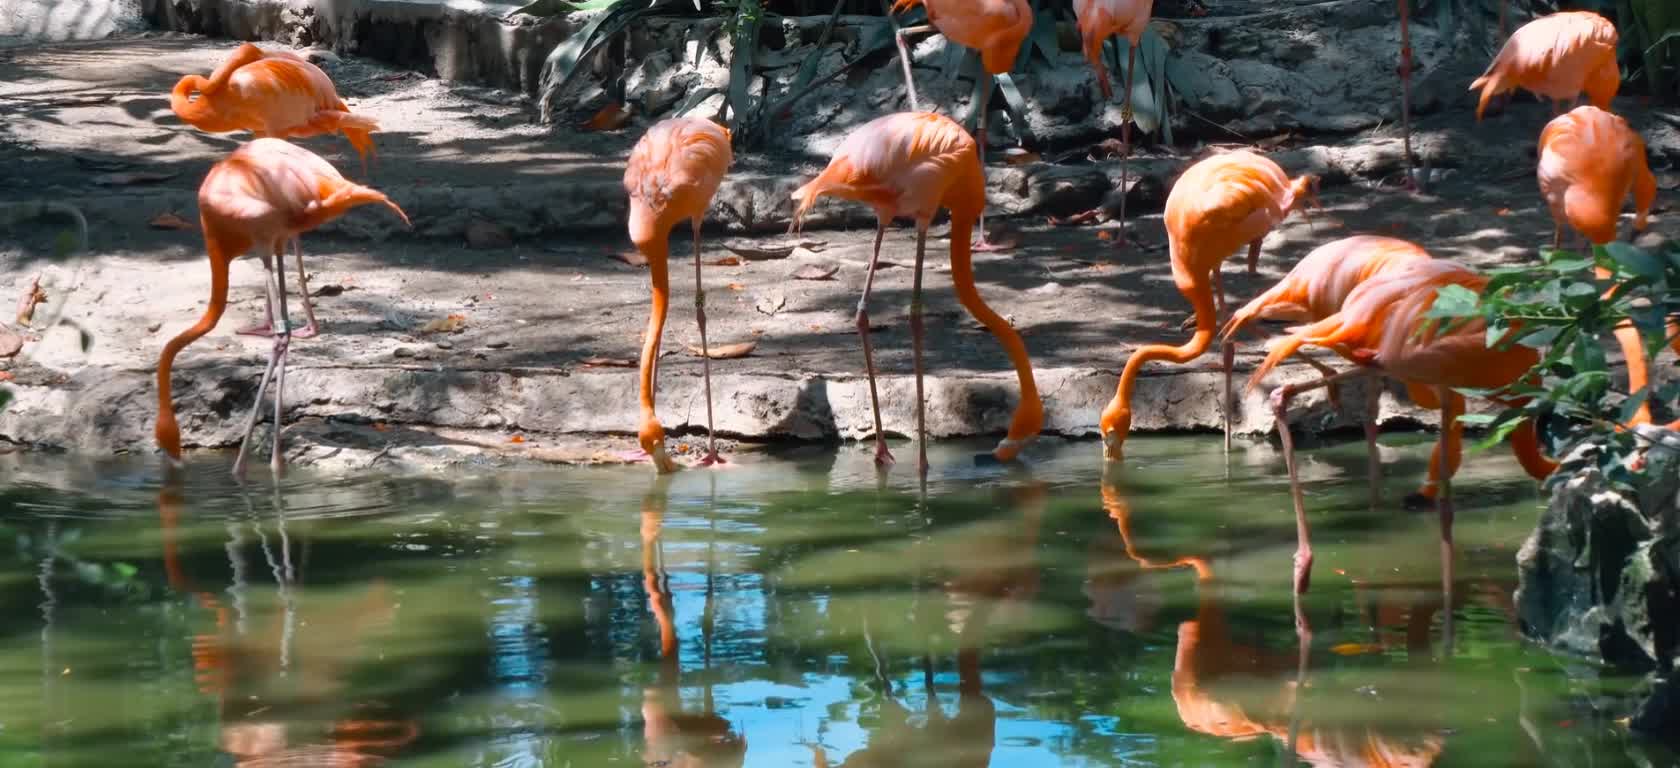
(547,322)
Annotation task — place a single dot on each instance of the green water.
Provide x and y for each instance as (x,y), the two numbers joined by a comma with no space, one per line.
(780,608)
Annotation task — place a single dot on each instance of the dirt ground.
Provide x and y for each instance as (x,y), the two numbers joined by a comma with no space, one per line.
(547,323)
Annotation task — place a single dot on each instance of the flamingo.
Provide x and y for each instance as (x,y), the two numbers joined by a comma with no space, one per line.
(1381,325)
(1315,289)
(1099,20)
(912,164)
(266,193)
(674,171)
(277,94)
(995,28)
(1556,57)
(1217,206)
(1590,160)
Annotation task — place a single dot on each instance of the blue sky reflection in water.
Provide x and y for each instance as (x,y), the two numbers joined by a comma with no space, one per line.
(785,611)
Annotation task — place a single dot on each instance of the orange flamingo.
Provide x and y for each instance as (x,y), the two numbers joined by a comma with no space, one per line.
(1098,21)
(1382,327)
(995,28)
(912,164)
(1590,160)
(1217,206)
(277,94)
(1556,57)
(674,172)
(1315,289)
(266,193)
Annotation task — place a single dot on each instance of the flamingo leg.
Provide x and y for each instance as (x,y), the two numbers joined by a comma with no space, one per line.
(904,59)
(1126,139)
(712,456)
(1254,255)
(1280,409)
(312,329)
(1451,405)
(262,385)
(265,329)
(1412,180)
(981,243)
(916,348)
(1373,401)
(1227,355)
(282,343)
(883,458)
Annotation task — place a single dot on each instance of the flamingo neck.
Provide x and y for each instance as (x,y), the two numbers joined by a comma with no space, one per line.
(1029,415)
(167,431)
(1116,419)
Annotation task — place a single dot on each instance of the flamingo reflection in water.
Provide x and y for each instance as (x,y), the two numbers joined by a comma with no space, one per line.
(675,736)
(295,664)
(1237,691)
(988,575)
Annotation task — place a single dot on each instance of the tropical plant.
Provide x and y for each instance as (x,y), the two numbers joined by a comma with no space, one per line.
(1564,310)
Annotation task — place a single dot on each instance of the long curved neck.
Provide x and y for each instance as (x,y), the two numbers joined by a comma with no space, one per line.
(1029,415)
(168,432)
(1525,445)
(1118,415)
(208,106)
(657,251)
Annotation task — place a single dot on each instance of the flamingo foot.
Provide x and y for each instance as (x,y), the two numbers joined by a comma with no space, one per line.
(309,331)
(711,458)
(982,245)
(1303,570)
(883,457)
(261,330)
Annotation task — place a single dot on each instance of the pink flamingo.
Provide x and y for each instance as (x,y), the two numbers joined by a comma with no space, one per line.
(1098,21)
(674,172)
(912,164)
(266,193)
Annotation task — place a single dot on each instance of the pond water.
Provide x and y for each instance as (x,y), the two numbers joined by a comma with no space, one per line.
(786,611)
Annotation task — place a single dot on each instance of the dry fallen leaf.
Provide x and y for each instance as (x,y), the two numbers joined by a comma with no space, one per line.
(725,352)
(450,324)
(31,296)
(726,261)
(5,375)
(736,287)
(331,289)
(633,258)
(1019,156)
(816,272)
(771,304)
(1355,649)
(1502,212)
(1105,234)
(125,178)
(517,439)
(609,362)
(756,251)
(169,220)
(379,426)
(612,117)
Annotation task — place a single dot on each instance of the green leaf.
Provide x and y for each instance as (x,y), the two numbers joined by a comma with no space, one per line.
(124,571)
(1634,260)
(1454,301)
(5,398)
(1016,104)
(1477,419)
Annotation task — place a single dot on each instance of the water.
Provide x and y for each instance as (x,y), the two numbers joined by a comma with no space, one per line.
(788,611)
